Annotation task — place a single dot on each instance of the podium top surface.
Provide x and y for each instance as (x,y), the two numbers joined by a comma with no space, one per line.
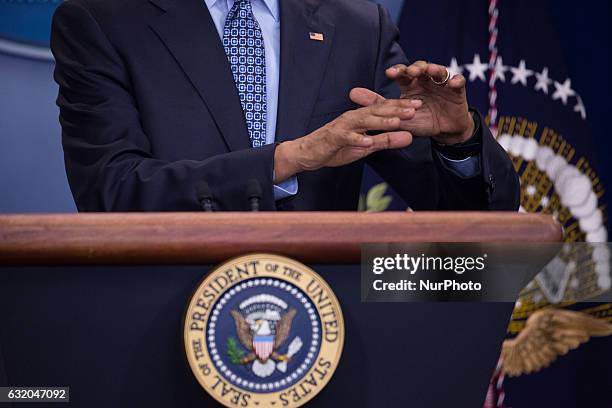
(199,238)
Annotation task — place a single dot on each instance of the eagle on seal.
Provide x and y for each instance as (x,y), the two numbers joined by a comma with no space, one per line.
(260,340)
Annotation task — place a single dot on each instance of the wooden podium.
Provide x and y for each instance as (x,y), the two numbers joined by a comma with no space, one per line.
(96,302)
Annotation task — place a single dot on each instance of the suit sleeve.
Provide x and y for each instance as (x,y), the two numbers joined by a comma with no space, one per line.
(420,175)
(108,156)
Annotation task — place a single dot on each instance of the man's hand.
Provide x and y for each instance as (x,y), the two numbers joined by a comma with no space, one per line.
(344,140)
(444,112)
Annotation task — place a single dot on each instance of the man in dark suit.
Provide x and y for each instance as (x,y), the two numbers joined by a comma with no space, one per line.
(158,96)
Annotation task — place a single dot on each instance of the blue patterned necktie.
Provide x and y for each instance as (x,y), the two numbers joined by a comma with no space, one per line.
(244,46)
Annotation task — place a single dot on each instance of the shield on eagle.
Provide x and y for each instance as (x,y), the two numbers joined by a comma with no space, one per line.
(263,346)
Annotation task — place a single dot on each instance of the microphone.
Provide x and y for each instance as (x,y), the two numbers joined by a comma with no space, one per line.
(254,193)
(204,196)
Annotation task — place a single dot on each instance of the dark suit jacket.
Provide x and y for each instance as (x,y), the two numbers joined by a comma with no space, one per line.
(148,109)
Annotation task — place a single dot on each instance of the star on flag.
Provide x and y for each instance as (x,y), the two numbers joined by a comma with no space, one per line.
(542,81)
(477,69)
(580,107)
(563,91)
(454,68)
(520,73)
(500,70)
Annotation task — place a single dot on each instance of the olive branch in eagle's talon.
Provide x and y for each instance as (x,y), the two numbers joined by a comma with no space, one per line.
(234,352)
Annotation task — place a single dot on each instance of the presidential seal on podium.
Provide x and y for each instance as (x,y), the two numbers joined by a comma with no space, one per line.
(263,330)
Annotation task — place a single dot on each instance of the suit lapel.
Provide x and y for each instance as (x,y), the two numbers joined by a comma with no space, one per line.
(302,66)
(188,31)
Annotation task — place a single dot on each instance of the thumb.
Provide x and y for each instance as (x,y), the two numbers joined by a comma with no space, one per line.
(365,97)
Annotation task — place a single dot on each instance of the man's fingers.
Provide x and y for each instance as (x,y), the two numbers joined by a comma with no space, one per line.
(420,68)
(365,97)
(457,82)
(364,122)
(390,140)
(382,107)
(401,71)
(402,108)
(437,72)
(417,69)
(394,71)
(356,140)
(387,115)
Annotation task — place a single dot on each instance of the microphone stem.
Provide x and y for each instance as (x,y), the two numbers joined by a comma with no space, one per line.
(207,205)
(254,201)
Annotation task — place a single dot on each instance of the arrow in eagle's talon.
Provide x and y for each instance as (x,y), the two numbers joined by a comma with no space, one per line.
(293,348)
(280,357)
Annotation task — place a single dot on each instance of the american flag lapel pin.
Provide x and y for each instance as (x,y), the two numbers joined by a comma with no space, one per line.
(315,36)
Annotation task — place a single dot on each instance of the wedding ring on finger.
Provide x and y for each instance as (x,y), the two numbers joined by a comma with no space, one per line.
(444,81)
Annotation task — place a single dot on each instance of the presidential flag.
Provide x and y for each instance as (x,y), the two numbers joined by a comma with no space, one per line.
(513,61)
